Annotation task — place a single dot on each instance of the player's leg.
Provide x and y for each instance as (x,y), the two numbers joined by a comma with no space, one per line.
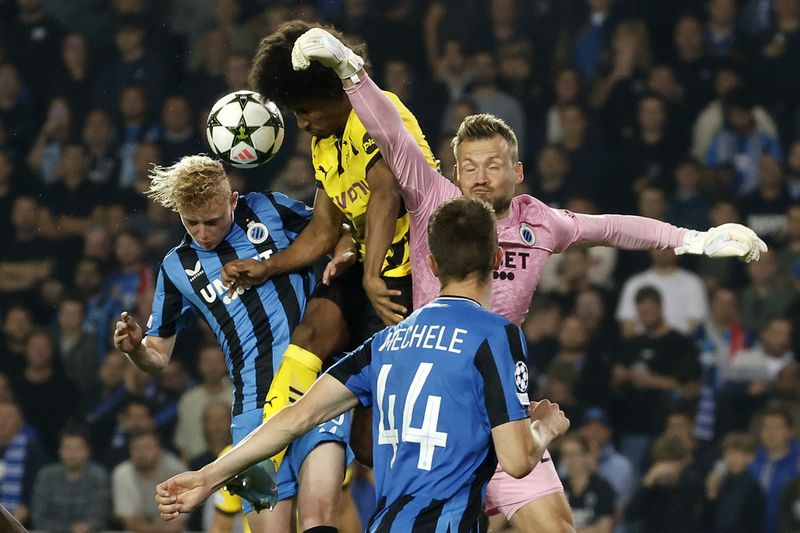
(321,478)
(278,520)
(549,513)
(533,503)
(321,334)
(349,521)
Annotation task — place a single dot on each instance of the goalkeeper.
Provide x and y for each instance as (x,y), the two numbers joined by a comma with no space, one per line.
(488,168)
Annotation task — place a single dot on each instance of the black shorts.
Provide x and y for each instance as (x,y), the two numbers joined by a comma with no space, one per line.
(347,292)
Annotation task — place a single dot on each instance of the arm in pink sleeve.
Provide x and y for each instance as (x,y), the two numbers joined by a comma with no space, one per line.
(401,151)
(619,231)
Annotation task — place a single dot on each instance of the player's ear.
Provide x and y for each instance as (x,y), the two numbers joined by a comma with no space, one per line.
(434,266)
(519,173)
(234,199)
(498,258)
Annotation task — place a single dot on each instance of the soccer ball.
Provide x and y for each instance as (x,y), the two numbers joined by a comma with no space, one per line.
(244,129)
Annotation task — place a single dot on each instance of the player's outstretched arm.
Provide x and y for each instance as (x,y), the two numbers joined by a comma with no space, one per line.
(521,444)
(325,400)
(149,354)
(640,233)
(317,239)
(374,109)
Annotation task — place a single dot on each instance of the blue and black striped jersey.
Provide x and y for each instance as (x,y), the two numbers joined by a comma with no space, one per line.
(254,325)
(438,382)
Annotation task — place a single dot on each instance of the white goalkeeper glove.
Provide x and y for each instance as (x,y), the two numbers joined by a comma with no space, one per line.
(727,240)
(317,44)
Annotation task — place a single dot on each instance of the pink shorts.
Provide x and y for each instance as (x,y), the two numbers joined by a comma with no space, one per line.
(507,495)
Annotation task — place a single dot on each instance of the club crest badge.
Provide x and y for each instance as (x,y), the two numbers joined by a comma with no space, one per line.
(257,232)
(526,234)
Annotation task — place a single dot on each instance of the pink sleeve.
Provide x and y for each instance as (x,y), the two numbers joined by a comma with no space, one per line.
(401,152)
(619,231)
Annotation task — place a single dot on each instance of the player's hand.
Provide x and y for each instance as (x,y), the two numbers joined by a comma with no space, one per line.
(244,273)
(128,333)
(380,296)
(319,45)
(727,240)
(181,494)
(338,264)
(549,418)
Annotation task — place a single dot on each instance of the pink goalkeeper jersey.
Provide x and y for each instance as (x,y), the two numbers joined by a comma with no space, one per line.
(531,232)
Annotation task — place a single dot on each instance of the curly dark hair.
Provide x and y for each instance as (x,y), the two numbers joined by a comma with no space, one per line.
(272,74)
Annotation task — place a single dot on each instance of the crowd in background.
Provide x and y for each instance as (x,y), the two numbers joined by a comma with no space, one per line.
(680,376)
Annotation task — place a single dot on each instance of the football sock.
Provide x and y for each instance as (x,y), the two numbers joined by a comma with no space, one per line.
(297,372)
(321,529)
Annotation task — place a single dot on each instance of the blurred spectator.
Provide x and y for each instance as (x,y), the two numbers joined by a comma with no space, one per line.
(736,503)
(134,416)
(206,83)
(670,498)
(741,144)
(591,308)
(134,65)
(764,209)
(684,296)
(17,113)
(767,295)
(648,153)
(17,327)
(134,483)
(680,423)
(100,140)
(134,128)
(587,159)
(177,136)
(719,339)
(518,77)
(56,132)
(767,358)
(662,81)
(25,260)
(551,185)
(779,52)
(651,370)
(46,396)
(77,350)
(567,90)
(296,180)
(612,466)
(787,393)
(21,457)
(688,206)
(216,434)
(693,66)
(74,75)
(427,99)
(788,254)
(107,398)
(33,40)
(237,69)
(584,48)
(73,495)
(616,94)
(490,98)
(590,496)
(790,502)
(75,203)
(776,462)
(712,118)
(172,383)
(559,384)
(721,38)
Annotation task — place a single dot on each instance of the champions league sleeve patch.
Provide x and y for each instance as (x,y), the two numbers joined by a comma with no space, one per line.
(521,382)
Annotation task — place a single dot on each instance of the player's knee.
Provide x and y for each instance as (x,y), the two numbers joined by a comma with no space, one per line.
(303,335)
(318,514)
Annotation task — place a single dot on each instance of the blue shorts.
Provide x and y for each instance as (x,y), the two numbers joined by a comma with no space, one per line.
(336,430)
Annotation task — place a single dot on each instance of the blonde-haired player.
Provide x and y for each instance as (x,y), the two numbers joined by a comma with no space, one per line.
(252,325)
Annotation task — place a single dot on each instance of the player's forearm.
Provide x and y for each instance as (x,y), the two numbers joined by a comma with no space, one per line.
(542,437)
(313,243)
(148,358)
(382,211)
(628,232)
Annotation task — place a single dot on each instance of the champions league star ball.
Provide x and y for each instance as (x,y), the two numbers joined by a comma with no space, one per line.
(244,129)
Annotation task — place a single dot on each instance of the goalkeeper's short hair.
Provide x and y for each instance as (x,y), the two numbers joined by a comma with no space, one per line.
(273,76)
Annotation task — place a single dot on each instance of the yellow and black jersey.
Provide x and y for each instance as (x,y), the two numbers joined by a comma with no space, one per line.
(341,166)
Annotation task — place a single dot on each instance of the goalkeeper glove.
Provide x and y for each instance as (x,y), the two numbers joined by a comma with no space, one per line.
(257,485)
(318,44)
(727,240)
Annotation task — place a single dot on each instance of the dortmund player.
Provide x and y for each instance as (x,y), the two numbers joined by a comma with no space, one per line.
(355,186)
